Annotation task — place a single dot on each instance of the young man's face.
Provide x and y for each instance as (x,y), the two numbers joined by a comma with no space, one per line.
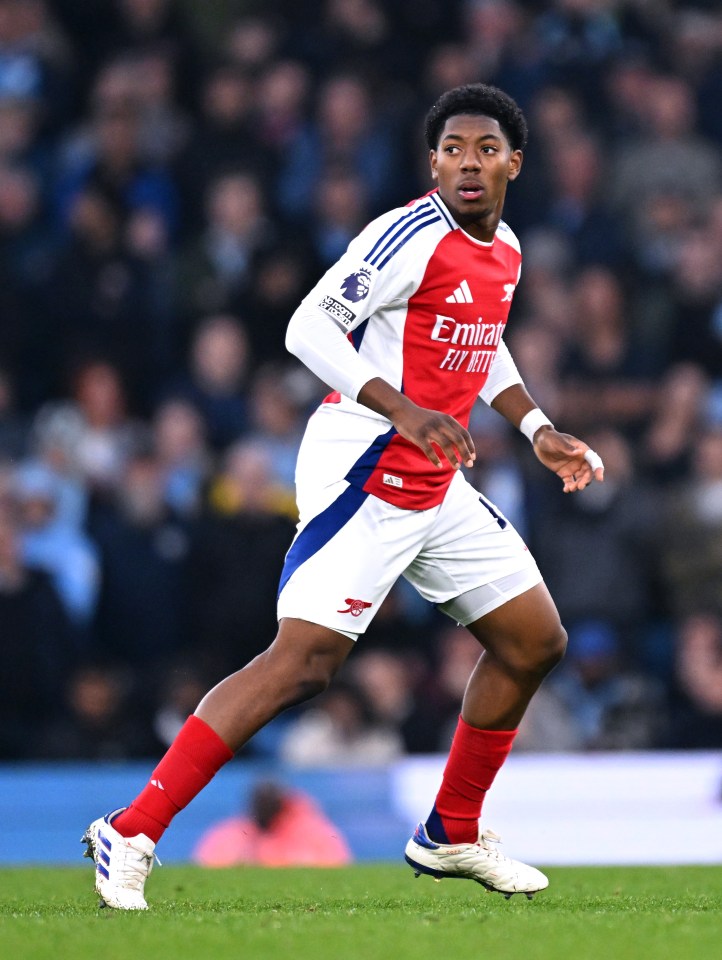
(472,165)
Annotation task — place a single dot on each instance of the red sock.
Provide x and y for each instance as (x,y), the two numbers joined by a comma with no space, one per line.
(475,758)
(191,762)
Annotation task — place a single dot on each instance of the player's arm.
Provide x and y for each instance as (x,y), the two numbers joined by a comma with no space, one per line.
(324,348)
(572,460)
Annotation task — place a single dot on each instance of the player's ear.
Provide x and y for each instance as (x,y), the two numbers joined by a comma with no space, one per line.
(515,161)
(432,163)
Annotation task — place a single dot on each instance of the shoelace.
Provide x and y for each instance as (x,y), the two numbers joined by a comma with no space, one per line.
(487,840)
(135,868)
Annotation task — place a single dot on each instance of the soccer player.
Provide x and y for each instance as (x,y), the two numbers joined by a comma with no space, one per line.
(407,329)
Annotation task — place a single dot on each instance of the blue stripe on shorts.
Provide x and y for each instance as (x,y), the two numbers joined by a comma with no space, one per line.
(320,530)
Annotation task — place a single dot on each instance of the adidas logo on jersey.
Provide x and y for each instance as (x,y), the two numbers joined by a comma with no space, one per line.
(392,481)
(462,294)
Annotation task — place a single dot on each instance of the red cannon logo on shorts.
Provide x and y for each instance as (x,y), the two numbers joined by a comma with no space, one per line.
(355,607)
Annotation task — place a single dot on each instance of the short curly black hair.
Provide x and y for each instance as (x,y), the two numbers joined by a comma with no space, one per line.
(477,98)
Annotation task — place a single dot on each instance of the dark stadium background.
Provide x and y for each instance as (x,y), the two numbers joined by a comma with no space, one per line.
(173,177)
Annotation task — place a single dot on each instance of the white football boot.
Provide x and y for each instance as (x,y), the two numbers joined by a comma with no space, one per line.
(122,864)
(480,861)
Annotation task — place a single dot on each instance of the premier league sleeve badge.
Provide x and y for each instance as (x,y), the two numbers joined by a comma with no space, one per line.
(356,286)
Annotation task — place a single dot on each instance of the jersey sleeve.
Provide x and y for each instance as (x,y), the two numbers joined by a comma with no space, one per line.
(503,374)
(324,348)
(355,287)
(345,297)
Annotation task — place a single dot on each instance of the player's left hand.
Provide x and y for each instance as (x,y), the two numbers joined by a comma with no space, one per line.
(572,460)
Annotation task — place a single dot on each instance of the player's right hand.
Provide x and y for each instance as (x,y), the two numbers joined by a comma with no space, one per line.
(436,433)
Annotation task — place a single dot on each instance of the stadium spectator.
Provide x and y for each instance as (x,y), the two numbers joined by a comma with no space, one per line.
(604,377)
(675,424)
(341,729)
(28,249)
(22,140)
(223,138)
(340,211)
(215,267)
(559,112)
(53,541)
(215,381)
(455,654)
(696,298)
(180,689)
(106,434)
(113,166)
(38,652)
(142,81)
(179,444)
(698,680)
(236,557)
(576,205)
(141,25)
(576,42)
(671,152)
(101,719)
(278,399)
(100,294)
(615,523)
(389,683)
(344,132)
(253,41)
(539,350)
(283,828)
(280,278)
(608,703)
(283,93)
(144,548)
(353,34)
(691,541)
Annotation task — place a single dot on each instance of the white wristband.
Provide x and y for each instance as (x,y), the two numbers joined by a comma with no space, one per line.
(531,422)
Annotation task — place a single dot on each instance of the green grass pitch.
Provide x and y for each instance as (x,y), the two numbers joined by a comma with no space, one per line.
(375,912)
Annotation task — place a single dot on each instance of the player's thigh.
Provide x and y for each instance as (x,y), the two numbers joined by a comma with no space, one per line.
(525,632)
(345,560)
(474,560)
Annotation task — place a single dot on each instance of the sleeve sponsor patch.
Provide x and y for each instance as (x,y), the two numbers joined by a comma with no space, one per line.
(337,310)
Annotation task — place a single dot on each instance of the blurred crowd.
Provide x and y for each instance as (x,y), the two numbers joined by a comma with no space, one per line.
(174,176)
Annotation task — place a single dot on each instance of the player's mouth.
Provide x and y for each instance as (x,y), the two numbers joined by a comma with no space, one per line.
(470,190)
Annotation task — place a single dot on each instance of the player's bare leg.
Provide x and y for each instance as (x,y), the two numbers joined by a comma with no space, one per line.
(298,665)
(523,640)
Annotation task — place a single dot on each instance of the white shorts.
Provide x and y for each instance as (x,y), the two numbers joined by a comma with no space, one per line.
(351,548)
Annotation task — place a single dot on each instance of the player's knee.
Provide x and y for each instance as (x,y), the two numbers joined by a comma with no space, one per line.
(550,649)
(301,674)
(539,653)
(308,682)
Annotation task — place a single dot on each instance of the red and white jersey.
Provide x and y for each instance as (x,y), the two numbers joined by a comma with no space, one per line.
(423,305)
